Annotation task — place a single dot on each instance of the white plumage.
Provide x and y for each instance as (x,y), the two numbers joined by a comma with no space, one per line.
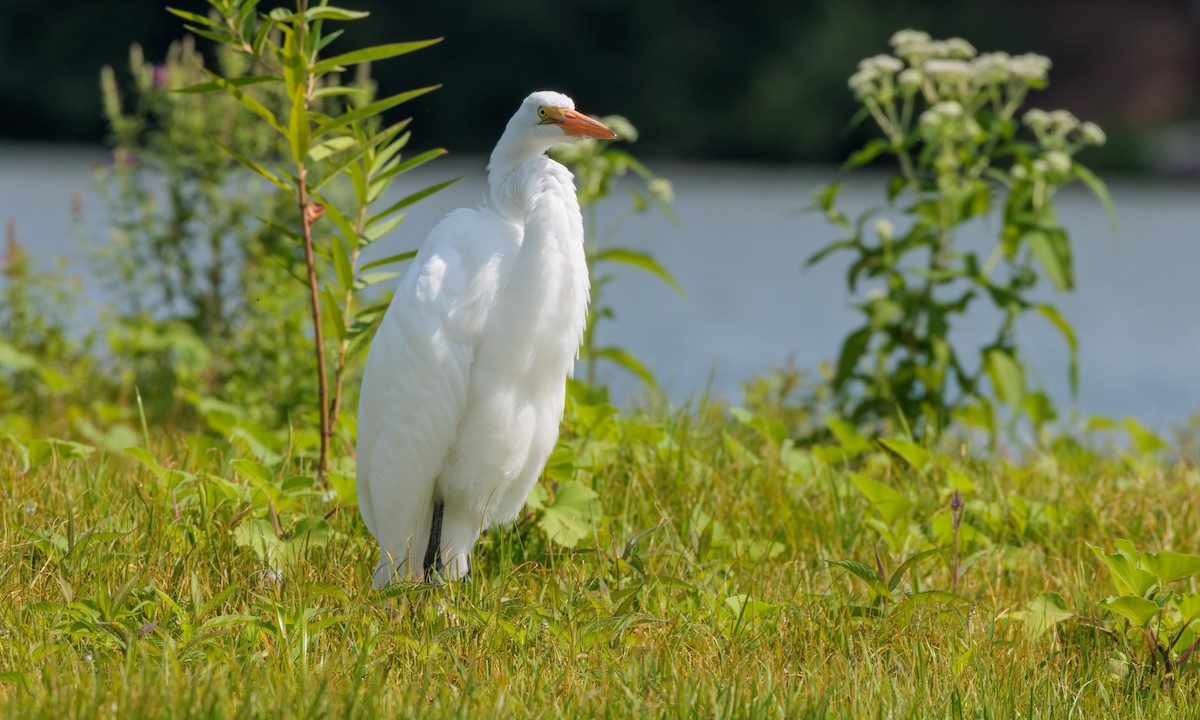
(465,380)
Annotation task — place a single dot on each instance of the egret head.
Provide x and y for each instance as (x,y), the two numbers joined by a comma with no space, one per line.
(545,119)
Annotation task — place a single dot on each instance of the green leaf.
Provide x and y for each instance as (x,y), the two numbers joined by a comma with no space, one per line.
(864,572)
(1046,611)
(378,230)
(409,164)
(1144,441)
(1007,377)
(898,574)
(747,609)
(887,500)
(389,260)
(626,361)
(236,82)
(299,128)
(1137,610)
(1169,566)
(916,456)
(193,17)
(570,518)
(341,263)
(1099,189)
(847,436)
(1127,577)
(330,147)
(852,350)
(1053,251)
(1051,313)
(419,195)
(326,12)
(262,171)
(370,110)
(637,259)
(867,153)
(250,103)
(378,52)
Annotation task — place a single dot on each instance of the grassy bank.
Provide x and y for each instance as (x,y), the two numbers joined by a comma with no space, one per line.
(702,583)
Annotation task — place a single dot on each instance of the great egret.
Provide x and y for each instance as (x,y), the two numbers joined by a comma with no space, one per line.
(465,380)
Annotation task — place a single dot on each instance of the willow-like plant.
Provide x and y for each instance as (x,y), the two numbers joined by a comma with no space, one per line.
(949,119)
(333,131)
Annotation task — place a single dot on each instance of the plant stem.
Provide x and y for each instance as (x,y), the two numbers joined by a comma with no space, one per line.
(340,371)
(307,218)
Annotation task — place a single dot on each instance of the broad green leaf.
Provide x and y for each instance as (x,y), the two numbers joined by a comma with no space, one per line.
(746,608)
(916,456)
(378,52)
(570,518)
(1170,566)
(1127,577)
(1188,605)
(1053,251)
(1138,610)
(887,500)
(1007,377)
(852,350)
(1144,441)
(1046,611)
(912,561)
(847,436)
(864,572)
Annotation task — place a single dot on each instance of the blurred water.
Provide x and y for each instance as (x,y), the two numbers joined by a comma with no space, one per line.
(738,249)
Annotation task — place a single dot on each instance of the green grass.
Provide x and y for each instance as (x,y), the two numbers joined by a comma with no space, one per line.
(125,593)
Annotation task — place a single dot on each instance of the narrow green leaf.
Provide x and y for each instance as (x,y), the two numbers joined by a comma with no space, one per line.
(626,361)
(331,146)
(389,260)
(370,110)
(341,263)
(1051,313)
(380,229)
(193,17)
(409,164)
(331,310)
(250,103)
(1100,190)
(326,12)
(1053,252)
(419,195)
(865,573)
(236,82)
(378,52)
(266,174)
(299,128)
(640,260)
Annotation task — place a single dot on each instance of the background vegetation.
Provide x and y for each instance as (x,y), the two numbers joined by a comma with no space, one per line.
(852,544)
(702,79)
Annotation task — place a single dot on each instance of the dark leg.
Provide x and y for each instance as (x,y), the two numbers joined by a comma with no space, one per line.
(433,554)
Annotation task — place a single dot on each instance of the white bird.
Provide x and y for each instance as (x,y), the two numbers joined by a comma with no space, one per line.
(465,380)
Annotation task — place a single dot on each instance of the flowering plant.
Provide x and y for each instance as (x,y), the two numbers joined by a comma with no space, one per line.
(949,118)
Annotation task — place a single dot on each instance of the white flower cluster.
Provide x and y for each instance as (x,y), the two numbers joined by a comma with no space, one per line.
(949,120)
(942,68)
(1058,127)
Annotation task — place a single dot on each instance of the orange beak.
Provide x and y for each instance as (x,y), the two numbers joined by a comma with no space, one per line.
(579,125)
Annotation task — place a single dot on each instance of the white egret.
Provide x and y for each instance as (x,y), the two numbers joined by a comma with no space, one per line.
(465,380)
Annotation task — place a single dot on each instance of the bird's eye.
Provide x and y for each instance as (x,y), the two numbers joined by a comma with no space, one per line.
(541,112)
